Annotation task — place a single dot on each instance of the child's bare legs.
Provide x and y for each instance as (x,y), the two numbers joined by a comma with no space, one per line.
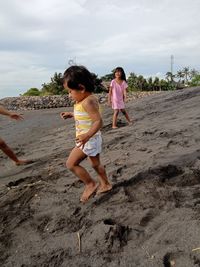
(126,115)
(7,150)
(99,168)
(75,157)
(114,124)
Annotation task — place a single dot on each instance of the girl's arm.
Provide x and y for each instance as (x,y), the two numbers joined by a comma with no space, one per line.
(125,94)
(4,111)
(12,115)
(92,108)
(66,115)
(110,95)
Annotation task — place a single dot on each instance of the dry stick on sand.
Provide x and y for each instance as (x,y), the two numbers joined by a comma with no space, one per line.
(25,185)
(147,253)
(195,249)
(79,242)
(29,185)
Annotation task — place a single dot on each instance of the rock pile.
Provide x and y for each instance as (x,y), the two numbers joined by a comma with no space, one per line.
(130,96)
(55,101)
(36,102)
(136,95)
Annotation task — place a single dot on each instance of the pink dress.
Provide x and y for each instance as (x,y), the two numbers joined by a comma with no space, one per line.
(117,97)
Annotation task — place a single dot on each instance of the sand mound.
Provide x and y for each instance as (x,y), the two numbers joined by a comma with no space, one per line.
(150,218)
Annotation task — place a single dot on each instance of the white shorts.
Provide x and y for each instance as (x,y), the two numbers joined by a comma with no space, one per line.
(93,147)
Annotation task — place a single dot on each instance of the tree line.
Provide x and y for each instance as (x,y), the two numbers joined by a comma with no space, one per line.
(55,86)
(185,77)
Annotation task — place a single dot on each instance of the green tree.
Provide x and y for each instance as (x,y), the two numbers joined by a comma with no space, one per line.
(150,84)
(132,82)
(180,75)
(99,88)
(169,76)
(145,86)
(141,82)
(55,86)
(195,80)
(193,73)
(32,92)
(108,77)
(166,85)
(156,84)
(186,73)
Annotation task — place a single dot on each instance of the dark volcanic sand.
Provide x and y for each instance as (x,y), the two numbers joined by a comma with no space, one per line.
(151,218)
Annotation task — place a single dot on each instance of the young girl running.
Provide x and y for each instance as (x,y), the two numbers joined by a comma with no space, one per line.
(117,95)
(80,85)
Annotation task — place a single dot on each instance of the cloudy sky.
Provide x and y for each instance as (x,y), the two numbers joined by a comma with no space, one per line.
(39,37)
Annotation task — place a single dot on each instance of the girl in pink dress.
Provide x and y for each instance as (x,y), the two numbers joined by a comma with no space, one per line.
(117,95)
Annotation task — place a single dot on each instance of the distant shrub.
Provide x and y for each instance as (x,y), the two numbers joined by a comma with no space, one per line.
(195,80)
(32,92)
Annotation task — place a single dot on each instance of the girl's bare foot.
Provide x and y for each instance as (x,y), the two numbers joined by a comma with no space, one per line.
(104,188)
(88,192)
(114,127)
(23,162)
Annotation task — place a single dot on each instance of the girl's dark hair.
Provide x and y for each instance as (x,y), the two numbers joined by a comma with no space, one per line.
(79,75)
(123,76)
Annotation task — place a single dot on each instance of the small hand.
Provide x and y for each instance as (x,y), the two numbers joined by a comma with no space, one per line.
(109,102)
(125,98)
(66,115)
(82,139)
(16,116)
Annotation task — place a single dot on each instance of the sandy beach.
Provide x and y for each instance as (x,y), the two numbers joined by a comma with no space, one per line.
(150,218)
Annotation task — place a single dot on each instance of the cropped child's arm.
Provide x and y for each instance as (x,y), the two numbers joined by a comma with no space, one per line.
(92,108)
(12,115)
(110,95)
(125,95)
(66,115)
(4,111)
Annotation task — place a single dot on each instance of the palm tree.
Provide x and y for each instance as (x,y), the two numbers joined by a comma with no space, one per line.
(132,81)
(186,72)
(193,73)
(150,84)
(140,82)
(180,75)
(156,84)
(169,76)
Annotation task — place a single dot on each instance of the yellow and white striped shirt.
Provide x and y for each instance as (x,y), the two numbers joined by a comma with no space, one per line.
(83,122)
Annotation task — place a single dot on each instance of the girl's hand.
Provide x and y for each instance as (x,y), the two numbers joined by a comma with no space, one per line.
(109,102)
(125,98)
(66,115)
(16,116)
(82,139)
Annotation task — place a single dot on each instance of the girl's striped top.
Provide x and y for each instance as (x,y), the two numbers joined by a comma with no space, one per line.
(83,122)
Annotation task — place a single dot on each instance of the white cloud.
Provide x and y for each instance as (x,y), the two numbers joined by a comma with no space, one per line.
(39,37)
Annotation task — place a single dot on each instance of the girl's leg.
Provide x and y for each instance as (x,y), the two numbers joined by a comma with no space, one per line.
(7,150)
(75,157)
(99,168)
(114,124)
(126,115)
